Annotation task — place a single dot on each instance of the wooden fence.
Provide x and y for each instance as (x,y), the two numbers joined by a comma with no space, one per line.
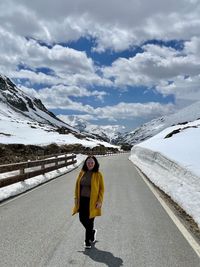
(23,172)
(58,161)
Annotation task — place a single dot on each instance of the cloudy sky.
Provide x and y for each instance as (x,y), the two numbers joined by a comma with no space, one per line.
(109,62)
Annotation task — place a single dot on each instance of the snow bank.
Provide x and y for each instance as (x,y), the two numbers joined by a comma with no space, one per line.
(179,183)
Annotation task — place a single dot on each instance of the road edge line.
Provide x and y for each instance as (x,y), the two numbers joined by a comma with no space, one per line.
(193,243)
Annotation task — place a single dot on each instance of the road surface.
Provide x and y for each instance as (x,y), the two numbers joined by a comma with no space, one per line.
(37,229)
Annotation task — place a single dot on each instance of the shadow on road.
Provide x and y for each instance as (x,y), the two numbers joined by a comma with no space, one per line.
(103,256)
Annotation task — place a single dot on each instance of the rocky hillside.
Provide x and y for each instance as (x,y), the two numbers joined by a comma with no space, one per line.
(21,106)
(25,106)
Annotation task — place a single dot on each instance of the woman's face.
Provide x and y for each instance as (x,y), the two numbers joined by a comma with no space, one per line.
(90,164)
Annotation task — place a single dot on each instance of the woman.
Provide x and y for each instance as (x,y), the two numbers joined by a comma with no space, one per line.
(89,191)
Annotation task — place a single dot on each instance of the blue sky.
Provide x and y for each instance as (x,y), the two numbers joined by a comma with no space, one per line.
(124,67)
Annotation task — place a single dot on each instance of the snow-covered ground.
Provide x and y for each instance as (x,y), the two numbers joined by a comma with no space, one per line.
(16,131)
(20,187)
(173,164)
(17,128)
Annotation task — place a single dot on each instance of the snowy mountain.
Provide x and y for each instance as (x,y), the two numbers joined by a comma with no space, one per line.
(155,126)
(108,133)
(25,120)
(15,103)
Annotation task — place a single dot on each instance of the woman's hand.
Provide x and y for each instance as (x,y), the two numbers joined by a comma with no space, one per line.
(98,205)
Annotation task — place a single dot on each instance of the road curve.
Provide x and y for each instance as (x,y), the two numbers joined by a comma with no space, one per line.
(37,228)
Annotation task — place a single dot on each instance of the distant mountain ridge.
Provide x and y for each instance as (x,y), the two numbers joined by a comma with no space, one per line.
(16,104)
(155,126)
(108,133)
(114,135)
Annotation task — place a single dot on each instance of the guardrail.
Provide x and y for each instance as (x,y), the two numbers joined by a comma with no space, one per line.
(59,161)
(22,167)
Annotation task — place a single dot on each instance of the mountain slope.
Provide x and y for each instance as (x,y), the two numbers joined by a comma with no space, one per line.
(155,126)
(25,106)
(25,120)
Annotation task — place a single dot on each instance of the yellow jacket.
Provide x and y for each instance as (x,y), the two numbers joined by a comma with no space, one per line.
(96,195)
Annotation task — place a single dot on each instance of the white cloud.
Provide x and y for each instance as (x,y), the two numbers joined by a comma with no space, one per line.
(15,50)
(158,66)
(133,110)
(84,117)
(116,38)
(187,88)
(193,47)
(67,65)
(129,23)
(35,78)
(61,59)
(58,96)
(24,23)
(127,111)
(62,91)
(11,47)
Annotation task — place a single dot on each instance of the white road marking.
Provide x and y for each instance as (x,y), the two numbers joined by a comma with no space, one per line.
(193,243)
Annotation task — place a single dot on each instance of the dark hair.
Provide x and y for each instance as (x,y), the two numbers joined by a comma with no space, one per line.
(96,166)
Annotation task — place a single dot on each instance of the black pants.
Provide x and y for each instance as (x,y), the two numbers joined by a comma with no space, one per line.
(84,218)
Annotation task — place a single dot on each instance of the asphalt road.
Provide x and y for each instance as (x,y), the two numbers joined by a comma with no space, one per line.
(37,229)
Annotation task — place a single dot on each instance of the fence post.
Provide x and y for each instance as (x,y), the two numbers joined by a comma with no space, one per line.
(66,159)
(73,159)
(21,171)
(56,163)
(43,167)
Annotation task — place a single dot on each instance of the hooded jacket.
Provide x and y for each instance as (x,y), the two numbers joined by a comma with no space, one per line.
(96,195)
